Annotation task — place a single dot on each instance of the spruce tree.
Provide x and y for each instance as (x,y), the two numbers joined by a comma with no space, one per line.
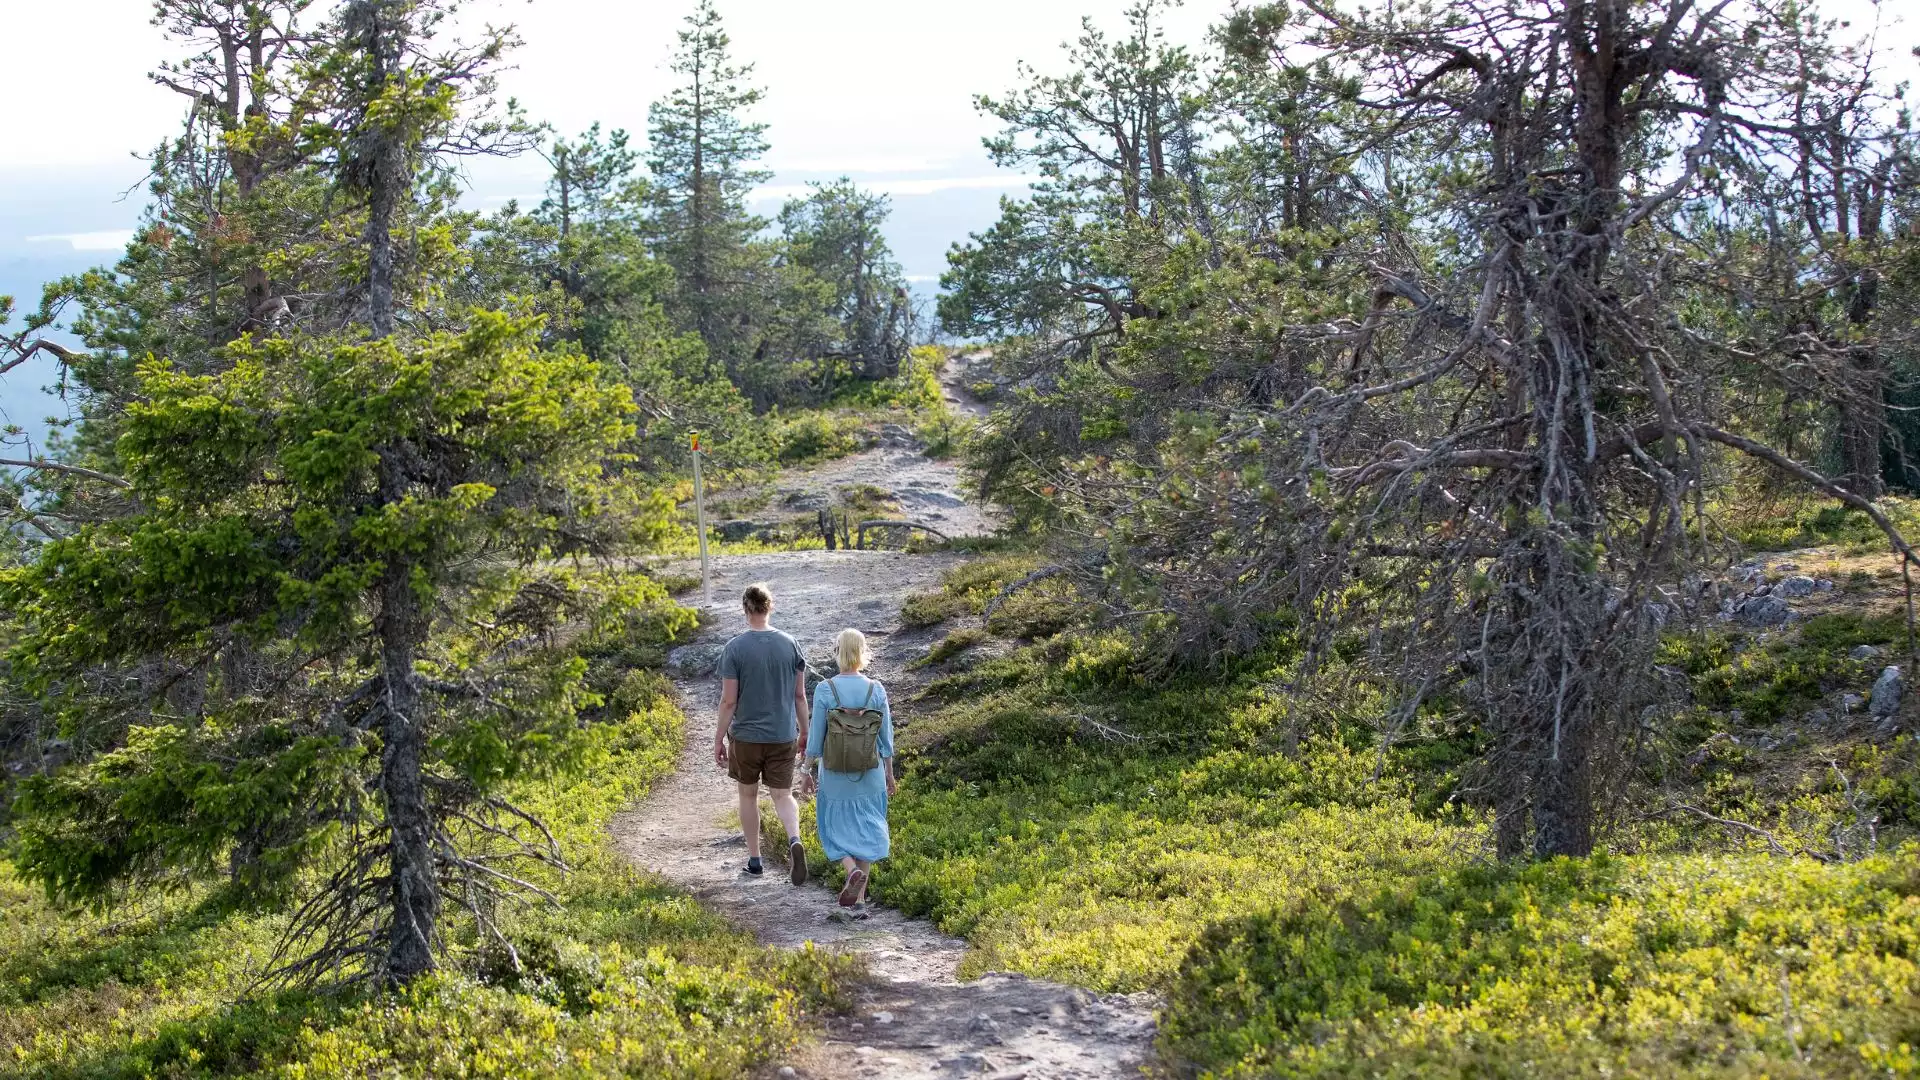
(703,147)
(327,629)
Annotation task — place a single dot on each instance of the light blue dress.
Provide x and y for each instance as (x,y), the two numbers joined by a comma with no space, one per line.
(851,809)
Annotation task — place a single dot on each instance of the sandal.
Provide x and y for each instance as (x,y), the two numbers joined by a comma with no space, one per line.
(856,886)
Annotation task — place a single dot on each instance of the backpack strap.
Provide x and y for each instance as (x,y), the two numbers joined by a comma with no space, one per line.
(868,703)
(831,689)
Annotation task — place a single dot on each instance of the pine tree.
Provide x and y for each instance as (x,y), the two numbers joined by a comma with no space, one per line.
(702,151)
(834,234)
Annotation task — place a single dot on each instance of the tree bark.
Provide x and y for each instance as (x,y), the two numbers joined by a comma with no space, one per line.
(402,627)
(1563,808)
(402,621)
(380,159)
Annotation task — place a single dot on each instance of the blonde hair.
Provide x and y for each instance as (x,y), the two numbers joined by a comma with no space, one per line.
(850,650)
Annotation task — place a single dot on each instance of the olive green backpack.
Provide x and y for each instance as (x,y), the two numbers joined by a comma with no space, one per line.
(853,733)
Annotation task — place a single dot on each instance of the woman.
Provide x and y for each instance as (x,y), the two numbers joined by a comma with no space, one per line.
(851,810)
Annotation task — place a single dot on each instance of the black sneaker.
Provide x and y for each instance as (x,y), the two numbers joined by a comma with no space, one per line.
(797,861)
(754,867)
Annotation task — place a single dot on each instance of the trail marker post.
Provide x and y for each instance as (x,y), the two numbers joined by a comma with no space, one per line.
(700,520)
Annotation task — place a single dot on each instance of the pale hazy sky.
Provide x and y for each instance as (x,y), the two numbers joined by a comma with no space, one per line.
(861,85)
(877,89)
(880,89)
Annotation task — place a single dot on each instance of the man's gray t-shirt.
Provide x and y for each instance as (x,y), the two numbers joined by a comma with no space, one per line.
(766,662)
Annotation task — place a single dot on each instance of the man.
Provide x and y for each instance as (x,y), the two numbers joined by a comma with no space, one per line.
(763,693)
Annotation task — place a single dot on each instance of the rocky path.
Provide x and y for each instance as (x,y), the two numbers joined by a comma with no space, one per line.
(915,1018)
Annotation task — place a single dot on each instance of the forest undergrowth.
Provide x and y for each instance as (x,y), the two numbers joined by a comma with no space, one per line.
(1313,905)
(625,975)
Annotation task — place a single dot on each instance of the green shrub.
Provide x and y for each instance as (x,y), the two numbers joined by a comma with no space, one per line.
(865,501)
(675,584)
(813,437)
(1079,820)
(955,643)
(967,589)
(1732,966)
(915,389)
(1038,611)
(1774,528)
(942,436)
(1237,840)
(924,609)
(629,977)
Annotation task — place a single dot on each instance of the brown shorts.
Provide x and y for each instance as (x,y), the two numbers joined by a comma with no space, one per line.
(762,762)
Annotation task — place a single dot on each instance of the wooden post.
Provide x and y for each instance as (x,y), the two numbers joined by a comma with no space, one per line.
(700,518)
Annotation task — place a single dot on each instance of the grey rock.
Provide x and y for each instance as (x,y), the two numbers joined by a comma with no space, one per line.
(695,661)
(1797,586)
(1817,718)
(1864,652)
(1787,567)
(1851,702)
(1763,611)
(1763,590)
(736,531)
(787,1072)
(930,497)
(1823,585)
(1887,691)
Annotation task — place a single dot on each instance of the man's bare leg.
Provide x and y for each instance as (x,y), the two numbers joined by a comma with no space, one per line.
(787,810)
(750,817)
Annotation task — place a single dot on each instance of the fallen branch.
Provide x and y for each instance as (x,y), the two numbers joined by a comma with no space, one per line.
(1103,730)
(1773,842)
(881,523)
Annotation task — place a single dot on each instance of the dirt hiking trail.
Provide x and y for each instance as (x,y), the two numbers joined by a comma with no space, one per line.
(915,1018)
